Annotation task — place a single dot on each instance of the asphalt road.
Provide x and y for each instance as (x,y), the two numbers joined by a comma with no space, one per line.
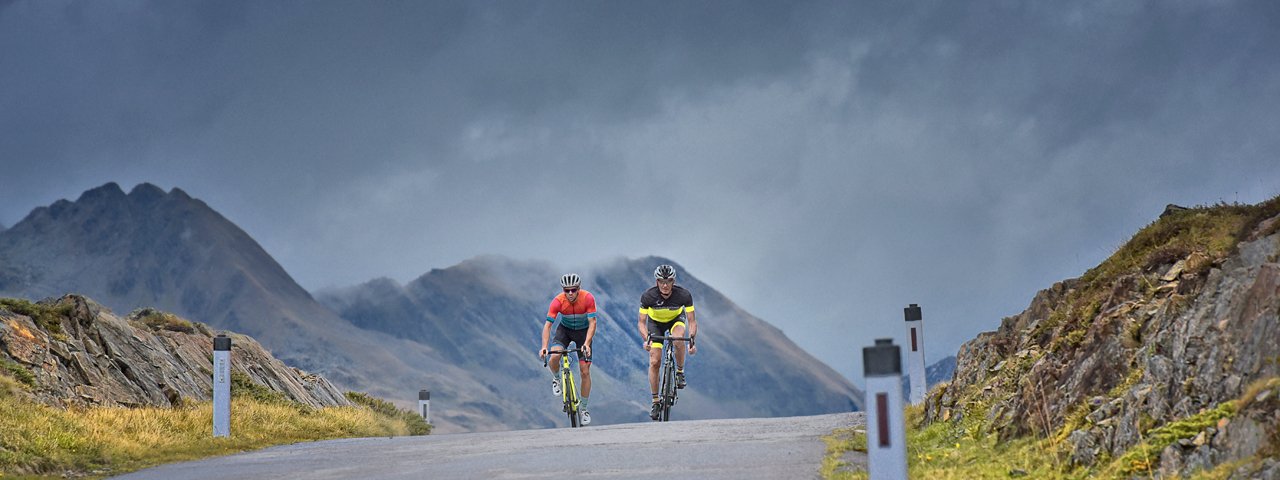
(705,449)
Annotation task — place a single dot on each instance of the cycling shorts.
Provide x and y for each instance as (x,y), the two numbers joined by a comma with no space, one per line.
(664,328)
(565,335)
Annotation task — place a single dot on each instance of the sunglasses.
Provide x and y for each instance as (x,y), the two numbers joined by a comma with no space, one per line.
(571,290)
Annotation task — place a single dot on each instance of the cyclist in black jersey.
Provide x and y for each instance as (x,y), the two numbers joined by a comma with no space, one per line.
(664,310)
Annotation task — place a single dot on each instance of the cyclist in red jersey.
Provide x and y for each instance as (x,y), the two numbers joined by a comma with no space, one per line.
(577,311)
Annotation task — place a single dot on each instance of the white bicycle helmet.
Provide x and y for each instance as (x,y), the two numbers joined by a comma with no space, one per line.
(570,280)
(664,272)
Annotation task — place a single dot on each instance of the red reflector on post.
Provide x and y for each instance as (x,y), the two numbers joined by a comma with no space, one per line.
(882,418)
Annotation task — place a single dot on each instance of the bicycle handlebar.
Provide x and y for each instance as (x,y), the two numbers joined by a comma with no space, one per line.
(547,359)
(653,337)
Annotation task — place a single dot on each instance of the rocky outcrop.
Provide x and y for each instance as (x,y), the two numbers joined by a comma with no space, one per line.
(1181,356)
(78,353)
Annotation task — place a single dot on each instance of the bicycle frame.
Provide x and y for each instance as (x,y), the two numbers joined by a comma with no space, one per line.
(568,388)
(667,392)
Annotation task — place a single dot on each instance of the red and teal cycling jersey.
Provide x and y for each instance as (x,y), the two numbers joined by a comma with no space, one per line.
(573,315)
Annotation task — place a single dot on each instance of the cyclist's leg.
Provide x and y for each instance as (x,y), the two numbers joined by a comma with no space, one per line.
(677,330)
(655,355)
(579,337)
(559,344)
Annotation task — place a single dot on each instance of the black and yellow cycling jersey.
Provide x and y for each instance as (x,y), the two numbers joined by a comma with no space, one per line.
(664,310)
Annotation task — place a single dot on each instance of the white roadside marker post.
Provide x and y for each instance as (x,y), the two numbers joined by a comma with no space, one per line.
(886,435)
(221,386)
(915,356)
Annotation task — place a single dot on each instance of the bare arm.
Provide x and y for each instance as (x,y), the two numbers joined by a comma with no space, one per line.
(546,336)
(591,333)
(643,325)
(693,330)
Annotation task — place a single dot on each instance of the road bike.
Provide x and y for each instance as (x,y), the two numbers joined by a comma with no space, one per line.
(568,388)
(667,388)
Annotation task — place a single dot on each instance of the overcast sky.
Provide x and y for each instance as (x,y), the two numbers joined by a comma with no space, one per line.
(822,164)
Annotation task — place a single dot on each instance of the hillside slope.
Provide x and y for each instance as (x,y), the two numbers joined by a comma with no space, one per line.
(1163,359)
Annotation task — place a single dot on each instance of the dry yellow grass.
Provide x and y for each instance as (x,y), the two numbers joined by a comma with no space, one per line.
(41,440)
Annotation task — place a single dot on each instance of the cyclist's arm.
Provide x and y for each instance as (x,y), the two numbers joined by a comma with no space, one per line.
(552,311)
(643,326)
(693,330)
(591,321)
(693,324)
(546,336)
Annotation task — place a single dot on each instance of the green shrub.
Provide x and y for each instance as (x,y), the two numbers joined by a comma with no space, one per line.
(1141,458)
(417,426)
(157,320)
(18,372)
(244,386)
(48,317)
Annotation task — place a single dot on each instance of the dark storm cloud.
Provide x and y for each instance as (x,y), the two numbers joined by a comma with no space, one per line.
(828,162)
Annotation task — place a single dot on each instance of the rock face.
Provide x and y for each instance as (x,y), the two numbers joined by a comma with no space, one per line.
(83,355)
(1159,351)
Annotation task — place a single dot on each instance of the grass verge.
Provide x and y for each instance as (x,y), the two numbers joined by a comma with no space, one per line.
(840,442)
(37,439)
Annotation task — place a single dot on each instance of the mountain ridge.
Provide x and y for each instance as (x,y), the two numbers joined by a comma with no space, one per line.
(512,303)
(173,252)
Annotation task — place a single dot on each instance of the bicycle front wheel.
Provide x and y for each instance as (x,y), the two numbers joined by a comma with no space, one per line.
(571,401)
(668,390)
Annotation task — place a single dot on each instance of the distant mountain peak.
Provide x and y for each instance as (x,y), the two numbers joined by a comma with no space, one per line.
(146,192)
(142,193)
(109,196)
(138,248)
(108,191)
